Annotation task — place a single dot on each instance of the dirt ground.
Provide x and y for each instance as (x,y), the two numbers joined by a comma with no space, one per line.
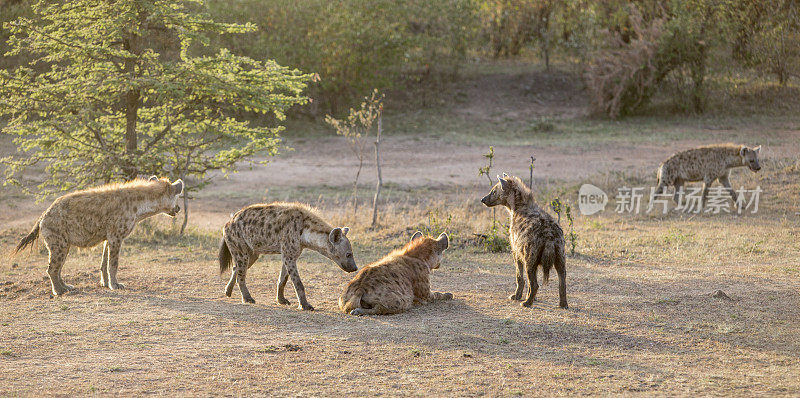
(643,316)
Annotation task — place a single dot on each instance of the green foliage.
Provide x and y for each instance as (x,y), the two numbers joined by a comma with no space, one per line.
(355,45)
(439,223)
(496,239)
(113,90)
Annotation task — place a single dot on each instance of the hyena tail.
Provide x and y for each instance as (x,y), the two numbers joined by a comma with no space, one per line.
(28,240)
(351,299)
(549,257)
(224,257)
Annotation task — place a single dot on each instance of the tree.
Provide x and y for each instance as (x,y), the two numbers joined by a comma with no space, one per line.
(116,89)
(356,129)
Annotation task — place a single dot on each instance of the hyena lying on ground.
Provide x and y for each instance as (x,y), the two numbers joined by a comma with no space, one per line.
(705,163)
(536,238)
(396,282)
(280,228)
(107,213)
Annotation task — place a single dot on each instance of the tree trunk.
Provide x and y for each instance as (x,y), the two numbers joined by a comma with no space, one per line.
(185,196)
(380,176)
(131,101)
(355,185)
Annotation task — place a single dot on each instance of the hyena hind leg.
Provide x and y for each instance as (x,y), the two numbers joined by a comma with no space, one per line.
(58,254)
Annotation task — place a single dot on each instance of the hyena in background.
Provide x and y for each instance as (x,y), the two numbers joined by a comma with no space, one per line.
(705,163)
(280,228)
(107,213)
(396,282)
(536,238)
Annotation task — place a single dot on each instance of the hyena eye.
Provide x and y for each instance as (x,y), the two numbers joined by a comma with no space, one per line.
(349,255)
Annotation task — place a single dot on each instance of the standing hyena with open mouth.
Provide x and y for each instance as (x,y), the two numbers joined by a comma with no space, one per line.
(536,238)
(280,228)
(707,164)
(106,213)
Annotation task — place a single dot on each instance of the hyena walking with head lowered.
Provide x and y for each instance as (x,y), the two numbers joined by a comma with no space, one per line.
(107,213)
(536,238)
(705,163)
(398,281)
(280,228)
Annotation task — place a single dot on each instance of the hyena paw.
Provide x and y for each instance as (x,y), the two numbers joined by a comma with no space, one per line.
(306,307)
(358,311)
(69,287)
(515,297)
(527,303)
(248,300)
(447,296)
(104,284)
(283,301)
(116,286)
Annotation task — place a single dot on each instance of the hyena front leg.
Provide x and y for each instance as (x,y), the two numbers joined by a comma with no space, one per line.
(290,256)
(284,276)
(113,245)
(104,266)
(440,296)
(520,279)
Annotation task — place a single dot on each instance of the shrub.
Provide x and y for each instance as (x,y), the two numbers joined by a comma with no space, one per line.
(354,45)
(623,77)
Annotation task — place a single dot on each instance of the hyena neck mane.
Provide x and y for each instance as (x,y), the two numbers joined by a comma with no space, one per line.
(734,158)
(419,252)
(315,236)
(520,199)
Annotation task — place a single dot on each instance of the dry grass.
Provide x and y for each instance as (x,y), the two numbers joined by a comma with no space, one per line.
(642,317)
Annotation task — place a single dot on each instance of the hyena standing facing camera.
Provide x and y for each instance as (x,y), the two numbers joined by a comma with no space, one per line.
(107,213)
(396,282)
(280,228)
(705,163)
(536,238)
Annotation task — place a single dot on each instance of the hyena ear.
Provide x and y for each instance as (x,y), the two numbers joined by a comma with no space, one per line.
(505,184)
(345,230)
(153,178)
(505,175)
(335,236)
(416,235)
(757,149)
(742,151)
(442,242)
(177,187)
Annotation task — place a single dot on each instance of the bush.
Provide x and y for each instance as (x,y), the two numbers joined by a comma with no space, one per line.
(623,77)
(354,45)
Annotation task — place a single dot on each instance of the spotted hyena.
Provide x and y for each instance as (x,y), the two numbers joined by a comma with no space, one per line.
(536,238)
(280,228)
(705,163)
(103,214)
(396,282)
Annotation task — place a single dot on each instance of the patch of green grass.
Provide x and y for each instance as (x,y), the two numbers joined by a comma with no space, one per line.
(6,353)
